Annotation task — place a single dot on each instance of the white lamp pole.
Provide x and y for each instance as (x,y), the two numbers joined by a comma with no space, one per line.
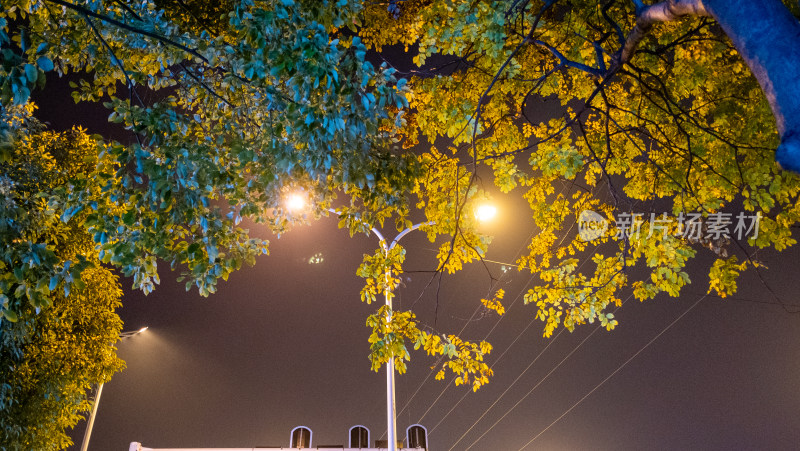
(391,413)
(90,424)
(88,434)
(297,202)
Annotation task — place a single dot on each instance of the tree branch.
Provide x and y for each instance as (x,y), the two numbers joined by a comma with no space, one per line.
(663,11)
(564,61)
(766,34)
(87,12)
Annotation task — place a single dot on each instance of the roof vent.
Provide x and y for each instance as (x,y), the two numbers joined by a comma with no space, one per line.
(359,437)
(417,436)
(301,437)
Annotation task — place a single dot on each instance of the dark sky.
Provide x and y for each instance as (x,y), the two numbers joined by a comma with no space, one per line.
(284,344)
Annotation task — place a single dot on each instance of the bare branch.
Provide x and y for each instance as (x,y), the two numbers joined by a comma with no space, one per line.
(664,11)
(569,63)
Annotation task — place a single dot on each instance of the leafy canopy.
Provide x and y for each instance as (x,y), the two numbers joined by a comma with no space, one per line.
(59,344)
(540,92)
(230,108)
(234,105)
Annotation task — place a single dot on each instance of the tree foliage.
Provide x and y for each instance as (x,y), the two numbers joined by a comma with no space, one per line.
(51,360)
(225,124)
(632,114)
(60,343)
(554,98)
(231,107)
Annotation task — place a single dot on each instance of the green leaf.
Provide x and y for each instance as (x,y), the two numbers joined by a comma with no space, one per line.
(54,282)
(10,315)
(31,72)
(44,63)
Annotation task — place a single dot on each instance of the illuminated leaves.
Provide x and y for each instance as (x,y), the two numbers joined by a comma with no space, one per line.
(464,359)
(35,225)
(723,275)
(381,272)
(57,304)
(494,303)
(683,128)
(49,362)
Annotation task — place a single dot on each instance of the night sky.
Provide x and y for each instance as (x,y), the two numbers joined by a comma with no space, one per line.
(284,344)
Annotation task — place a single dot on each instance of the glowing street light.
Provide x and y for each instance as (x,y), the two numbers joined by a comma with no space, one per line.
(482,213)
(296,202)
(124,335)
(485,212)
(88,434)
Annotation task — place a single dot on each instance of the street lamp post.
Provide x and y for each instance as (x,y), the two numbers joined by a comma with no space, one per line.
(391,413)
(483,213)
(90,424)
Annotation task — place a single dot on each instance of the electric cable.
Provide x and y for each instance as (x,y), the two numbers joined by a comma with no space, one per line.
(530,323)
(550,342)
(613,372)
(534,387)
(519,252)
(501,355)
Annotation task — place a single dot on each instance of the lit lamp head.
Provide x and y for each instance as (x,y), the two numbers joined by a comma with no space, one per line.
(133,333)
(485,213)
(295,202)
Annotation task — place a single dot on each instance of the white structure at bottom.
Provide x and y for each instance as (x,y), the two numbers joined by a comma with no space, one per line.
(300,438)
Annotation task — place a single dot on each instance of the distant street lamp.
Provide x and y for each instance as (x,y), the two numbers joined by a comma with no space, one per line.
(482,213)
(130,334)
(88,434)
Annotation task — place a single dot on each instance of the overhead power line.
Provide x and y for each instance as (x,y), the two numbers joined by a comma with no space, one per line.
(532,389)
(614,372)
